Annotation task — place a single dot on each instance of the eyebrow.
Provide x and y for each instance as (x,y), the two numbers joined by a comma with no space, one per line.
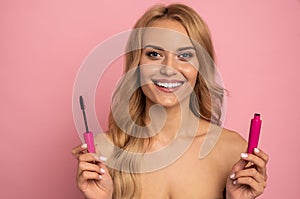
(155,47)
(162,49)
(186,48)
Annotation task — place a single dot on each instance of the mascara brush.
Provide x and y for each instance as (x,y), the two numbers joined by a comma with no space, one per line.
(82,106)
(88,135)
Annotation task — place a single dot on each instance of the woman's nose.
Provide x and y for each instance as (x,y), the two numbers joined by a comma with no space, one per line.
(168,66)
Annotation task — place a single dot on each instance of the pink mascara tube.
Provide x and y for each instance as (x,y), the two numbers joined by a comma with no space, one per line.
(254,132)
(88,135)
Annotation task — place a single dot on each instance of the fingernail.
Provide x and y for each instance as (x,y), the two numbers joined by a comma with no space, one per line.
(244,155)
(84,146)
(102,170)
(256,150)
(232,176)
(234,182)
(103,158)
(100,177)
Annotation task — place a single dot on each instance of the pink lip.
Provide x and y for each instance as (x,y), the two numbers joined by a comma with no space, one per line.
(167,80)
(167,90)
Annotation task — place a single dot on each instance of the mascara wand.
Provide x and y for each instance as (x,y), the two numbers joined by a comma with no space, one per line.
(88,135)
(83,112)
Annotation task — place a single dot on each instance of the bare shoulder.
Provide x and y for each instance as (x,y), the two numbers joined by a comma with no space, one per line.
(232,144)
(220,142)
(233,140)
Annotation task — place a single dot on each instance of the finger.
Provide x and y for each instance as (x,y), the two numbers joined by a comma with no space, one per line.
(79,149)
(86,166)
(88,175)
(260,153)
(106,180)
(256,187)
(257,161)
(253,173)
(240,165)
(103,169)
(91,157)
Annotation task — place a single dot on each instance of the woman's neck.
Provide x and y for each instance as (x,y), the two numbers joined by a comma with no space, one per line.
(173,119)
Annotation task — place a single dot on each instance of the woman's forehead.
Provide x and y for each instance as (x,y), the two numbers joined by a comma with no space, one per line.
(167,39)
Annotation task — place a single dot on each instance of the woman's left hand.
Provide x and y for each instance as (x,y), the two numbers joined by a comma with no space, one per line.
(248,177)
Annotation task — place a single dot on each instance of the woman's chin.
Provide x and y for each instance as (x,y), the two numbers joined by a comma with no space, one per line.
(169,102)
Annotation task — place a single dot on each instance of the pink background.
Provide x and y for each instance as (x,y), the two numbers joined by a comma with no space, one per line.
(43,43)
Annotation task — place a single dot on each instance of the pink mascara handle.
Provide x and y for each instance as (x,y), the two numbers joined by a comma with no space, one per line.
(254,132)
(89,140)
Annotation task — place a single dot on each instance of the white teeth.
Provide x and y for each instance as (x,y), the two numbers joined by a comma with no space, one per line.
(169,85)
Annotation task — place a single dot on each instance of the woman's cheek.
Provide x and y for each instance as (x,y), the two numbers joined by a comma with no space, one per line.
(190,74)
(146,73)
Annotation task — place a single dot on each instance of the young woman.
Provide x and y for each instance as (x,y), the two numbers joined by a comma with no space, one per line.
(170,144)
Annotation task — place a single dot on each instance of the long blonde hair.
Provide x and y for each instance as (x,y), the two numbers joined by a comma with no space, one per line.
(205,101)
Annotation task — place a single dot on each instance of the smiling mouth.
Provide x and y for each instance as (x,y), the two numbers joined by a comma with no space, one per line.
(168,84)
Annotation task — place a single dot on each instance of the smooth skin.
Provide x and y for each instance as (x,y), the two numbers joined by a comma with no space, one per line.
(250,182)
(244,175)
(93,178)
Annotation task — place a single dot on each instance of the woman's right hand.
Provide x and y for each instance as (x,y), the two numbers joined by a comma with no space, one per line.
(93,178)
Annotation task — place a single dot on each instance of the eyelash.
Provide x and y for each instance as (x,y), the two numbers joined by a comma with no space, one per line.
(153,54)
(185,56)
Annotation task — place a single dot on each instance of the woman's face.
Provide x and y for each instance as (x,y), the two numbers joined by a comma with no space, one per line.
(168,65)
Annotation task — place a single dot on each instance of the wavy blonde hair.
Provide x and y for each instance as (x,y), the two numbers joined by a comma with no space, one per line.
(205,101)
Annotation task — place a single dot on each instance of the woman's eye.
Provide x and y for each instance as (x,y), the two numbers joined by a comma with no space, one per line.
(153,54)
(185,56)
